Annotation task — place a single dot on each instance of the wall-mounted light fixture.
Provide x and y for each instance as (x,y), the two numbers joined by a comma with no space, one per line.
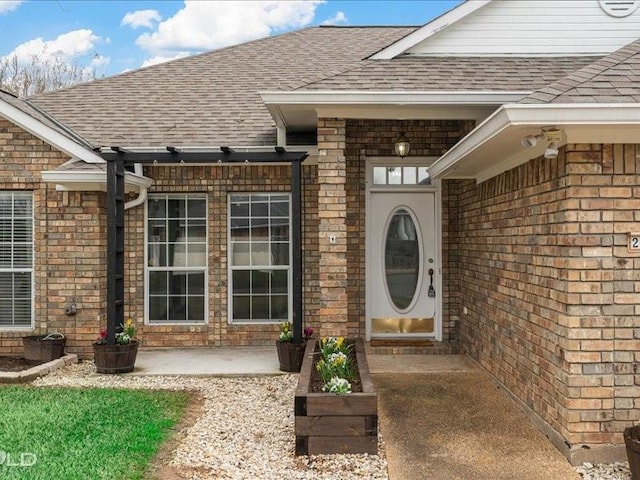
(550,134)
(402,145)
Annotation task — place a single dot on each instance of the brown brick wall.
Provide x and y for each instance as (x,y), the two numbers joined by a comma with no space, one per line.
(332,213)
(69,261)
(217,182)
(374,138)
(508,238)
(551,290)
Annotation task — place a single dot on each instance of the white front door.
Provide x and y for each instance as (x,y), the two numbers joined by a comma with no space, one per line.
(402,271)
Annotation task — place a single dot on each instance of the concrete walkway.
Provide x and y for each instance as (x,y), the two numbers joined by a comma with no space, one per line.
(441,416)
(455,423)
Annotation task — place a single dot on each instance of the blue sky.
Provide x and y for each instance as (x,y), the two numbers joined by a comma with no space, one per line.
(115,36)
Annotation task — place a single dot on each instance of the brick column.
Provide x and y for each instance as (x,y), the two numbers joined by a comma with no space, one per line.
(332,214)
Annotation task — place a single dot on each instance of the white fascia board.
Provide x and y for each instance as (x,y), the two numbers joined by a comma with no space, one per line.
(359,97)
(98,178)
(557,115)
(488,129)
(574,114)
(47,134)
(431,28)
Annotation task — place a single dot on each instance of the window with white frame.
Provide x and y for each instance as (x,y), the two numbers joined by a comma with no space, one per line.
(16,259)
(176,273)
(259,257)
(400,175)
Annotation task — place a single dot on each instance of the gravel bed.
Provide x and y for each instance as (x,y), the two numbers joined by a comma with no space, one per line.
(244,432)
(604,471)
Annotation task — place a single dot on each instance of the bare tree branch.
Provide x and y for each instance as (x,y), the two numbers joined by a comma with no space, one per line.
(41,74)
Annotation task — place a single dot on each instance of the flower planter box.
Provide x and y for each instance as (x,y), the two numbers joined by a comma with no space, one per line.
(115,358)
(42,348)
(290,355)
(327,423)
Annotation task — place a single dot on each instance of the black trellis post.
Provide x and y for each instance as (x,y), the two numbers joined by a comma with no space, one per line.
(296,246)
(115,246)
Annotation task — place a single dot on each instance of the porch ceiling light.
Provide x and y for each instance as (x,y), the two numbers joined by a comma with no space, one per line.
(402,146)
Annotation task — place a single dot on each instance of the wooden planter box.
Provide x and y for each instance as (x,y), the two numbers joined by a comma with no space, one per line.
(327,423)
(39,349)
(290,355)
(115,358)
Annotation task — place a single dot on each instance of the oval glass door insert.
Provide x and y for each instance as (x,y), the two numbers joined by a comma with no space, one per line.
(402,259)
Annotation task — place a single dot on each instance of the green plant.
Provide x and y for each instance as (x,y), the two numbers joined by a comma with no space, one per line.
(329,345)
(127,334)
(124,337)
(286,335)
(335,366)
(337,385)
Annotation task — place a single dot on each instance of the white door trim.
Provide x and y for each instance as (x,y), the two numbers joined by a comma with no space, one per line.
(434,188)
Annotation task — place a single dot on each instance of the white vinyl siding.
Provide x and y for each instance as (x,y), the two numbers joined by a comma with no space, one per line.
(176,259)
(16,259)
(530,27)
(259,258)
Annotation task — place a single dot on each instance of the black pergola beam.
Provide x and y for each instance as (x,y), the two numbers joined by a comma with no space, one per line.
(118,158)
(175,156)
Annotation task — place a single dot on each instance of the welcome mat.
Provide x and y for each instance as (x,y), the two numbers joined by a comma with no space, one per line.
(378,342)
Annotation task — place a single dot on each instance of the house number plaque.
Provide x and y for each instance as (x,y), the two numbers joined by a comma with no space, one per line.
(634,242)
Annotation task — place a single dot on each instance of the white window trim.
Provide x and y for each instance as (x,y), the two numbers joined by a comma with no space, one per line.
(147,269)
(231,268)
(31,326)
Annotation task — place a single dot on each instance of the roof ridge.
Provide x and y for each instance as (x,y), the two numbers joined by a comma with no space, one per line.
(364,63)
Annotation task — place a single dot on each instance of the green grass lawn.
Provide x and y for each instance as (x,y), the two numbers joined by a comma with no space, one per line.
(73,433)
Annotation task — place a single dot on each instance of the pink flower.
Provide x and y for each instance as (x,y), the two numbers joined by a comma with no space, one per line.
(308,332)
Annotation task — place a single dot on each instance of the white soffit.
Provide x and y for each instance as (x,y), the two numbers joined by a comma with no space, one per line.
(299,110)
(92,180)
(495,145)
(47,134)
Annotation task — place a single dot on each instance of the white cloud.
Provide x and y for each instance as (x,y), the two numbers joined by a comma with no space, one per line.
(339,17)
(161,59)
(66,59)
(7,6)
(67,46)
(206,25)
(141,18)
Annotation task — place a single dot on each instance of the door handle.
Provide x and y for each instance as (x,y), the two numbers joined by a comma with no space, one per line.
(432,291)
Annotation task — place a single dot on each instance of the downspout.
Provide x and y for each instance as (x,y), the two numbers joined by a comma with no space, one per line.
(142,196)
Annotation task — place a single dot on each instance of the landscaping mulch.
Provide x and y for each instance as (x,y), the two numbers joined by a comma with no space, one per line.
(16,364)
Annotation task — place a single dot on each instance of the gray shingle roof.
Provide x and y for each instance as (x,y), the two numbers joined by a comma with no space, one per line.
(453,73)
(212,98)
(612,79)
(26,107)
